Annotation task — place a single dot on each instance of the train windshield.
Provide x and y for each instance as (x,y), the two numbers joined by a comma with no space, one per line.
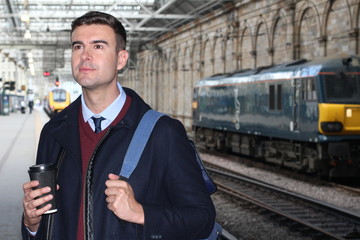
(59,95)
(342,88)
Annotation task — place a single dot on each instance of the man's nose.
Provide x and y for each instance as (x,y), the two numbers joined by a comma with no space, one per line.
(86,54)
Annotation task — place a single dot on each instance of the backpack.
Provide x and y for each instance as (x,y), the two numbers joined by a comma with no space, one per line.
(137,145)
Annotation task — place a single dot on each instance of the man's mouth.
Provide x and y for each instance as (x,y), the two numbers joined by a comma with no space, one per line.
(86,69)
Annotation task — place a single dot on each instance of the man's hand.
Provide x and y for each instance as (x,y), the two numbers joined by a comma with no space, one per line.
(121,200)
(32,215)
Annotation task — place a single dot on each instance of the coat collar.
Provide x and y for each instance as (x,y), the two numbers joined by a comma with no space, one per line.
(66,124)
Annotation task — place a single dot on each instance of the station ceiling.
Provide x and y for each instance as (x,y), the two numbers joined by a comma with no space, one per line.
(40,28)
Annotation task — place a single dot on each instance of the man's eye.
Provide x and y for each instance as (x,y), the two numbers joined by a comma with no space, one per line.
(76,47)
(98,46)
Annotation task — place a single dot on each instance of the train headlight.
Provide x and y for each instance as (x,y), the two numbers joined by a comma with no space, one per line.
(331,126)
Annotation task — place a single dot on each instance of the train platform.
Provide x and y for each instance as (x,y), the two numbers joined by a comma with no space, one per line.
(19,134)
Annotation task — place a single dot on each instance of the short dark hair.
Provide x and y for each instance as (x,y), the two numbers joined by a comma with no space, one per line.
(95,17)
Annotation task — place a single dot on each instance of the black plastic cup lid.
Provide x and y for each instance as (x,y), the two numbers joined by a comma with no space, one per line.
(42,167)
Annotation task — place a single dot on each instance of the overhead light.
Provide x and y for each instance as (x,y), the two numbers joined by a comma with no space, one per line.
(25,17)
(27,34)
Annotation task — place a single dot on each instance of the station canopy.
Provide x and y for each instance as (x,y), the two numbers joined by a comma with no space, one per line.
(40,28)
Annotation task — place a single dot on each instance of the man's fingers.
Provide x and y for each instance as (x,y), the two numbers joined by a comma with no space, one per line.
(113,176)
(29,185)
(37,193)
(114,181)
(42,200)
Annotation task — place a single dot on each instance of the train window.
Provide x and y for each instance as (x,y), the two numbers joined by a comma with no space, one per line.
(308,91)
(279,97)
(59,95)
(272,97)
(275,97)
(342,88)
(303,91)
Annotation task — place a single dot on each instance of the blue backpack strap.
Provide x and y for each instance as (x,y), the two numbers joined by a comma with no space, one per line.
(136,148)
(138,142)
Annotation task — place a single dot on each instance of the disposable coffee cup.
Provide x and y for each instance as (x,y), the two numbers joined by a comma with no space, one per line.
(45,174)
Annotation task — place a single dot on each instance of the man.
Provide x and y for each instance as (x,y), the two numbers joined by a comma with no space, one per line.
(31,105)
(165,197)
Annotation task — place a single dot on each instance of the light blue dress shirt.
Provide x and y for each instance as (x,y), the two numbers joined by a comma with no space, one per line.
(110,113)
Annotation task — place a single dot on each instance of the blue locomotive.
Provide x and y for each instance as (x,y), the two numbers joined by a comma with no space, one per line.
(303,114)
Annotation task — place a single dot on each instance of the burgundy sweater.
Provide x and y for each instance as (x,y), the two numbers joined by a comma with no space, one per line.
(88,141)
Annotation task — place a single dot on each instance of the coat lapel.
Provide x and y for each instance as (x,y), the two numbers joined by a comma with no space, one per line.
(67,132)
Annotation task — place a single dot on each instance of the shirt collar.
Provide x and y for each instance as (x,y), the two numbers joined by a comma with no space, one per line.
(110,112)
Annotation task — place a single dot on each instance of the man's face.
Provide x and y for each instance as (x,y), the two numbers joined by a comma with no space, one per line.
(94,59)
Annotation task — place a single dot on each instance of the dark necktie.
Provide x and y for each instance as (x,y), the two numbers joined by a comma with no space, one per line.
(97,122)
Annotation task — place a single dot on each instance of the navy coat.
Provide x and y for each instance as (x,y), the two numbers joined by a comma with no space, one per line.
(167,181)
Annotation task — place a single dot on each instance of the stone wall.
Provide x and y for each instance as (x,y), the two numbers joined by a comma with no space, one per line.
(241,35)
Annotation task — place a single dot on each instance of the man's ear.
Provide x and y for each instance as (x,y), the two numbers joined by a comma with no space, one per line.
(123,56)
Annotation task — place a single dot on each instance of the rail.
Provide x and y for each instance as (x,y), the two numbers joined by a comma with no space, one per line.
(322,218)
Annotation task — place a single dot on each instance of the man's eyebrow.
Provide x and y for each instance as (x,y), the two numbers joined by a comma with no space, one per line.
(100,41)
(92,42)
(76,42)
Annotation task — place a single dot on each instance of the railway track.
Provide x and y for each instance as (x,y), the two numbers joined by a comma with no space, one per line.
(355,190)
(313,217)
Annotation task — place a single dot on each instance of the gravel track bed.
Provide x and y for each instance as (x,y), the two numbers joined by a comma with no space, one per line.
(245,222)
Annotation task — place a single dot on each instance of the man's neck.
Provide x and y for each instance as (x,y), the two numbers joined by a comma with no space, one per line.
(98,100)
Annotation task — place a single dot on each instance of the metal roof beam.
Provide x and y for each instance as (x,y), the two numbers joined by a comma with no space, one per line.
(74,14)
(157,13)
(14,21)
(109,3)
